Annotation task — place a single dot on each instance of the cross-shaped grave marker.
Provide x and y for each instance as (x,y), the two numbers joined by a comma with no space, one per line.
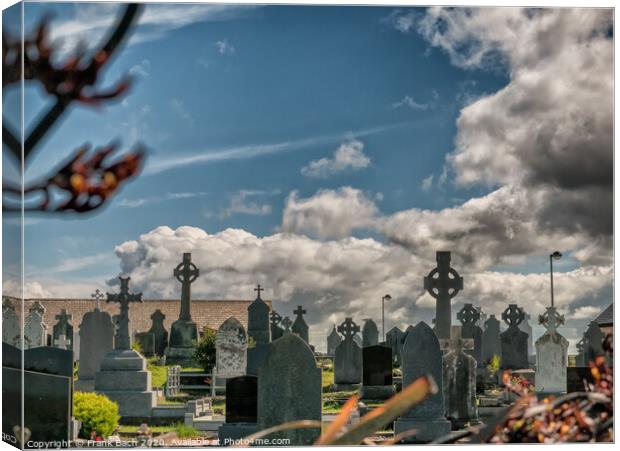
(513,315)
(456,343)
(62,342)
(98,296)
(124,298)
(443,283)
(551,319)
(258,289)
(286,322)
(348,329)
(186,272)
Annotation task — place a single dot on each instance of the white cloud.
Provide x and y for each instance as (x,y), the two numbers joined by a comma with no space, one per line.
(241,203)
(141,69)
(427,183)
(181,110)
(328,214)
(409,102)
(141,201)
(586,312)
(349,156)
(224,47)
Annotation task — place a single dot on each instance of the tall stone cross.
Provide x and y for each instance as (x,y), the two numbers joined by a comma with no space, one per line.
(286,322)
(299,311)
(513,315)
(258,289)
(62,342)
(348,329)
(443,283)
(551,319)
(275,318)
(186,273)
(124,298)
(97,296)
(456,343)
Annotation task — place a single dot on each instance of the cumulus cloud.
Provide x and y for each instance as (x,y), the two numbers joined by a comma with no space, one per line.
(349,156)
(224,47)
(329,213)
(241,203)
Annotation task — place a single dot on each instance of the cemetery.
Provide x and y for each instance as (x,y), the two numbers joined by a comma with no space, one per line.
(222,386)
(219,324)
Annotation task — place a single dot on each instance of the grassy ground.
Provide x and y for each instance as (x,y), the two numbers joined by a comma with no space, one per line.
(181,430)
(159,375)
(328,379)
(333,401)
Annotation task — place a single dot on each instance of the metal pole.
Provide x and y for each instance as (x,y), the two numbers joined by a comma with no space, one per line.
(383,316)
(551,272)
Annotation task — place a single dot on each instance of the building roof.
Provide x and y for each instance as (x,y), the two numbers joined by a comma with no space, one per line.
(209,313)
(606,318)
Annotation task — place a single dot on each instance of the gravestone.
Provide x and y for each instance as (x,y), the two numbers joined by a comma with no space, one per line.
(459,381)
(593,343)
(123,376)
(35,330)
(370,333)
(64,328)
(183,332)
(348,356)
(421,356)
(551,355)
(11,330)
(491,344)
(377,373)
(259,332)
(231,346)
(443,283)
(333,340)
(299,325)
(580,359)
(468,316)
(514,340)
(527,328)
(482,318)
(394,339)
(47,398)
(241,409)
(289,389)
(155,340)
(286,324)
(96,340)
(276,330)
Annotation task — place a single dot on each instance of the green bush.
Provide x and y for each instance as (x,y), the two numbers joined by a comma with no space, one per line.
(96,413)
(204,356)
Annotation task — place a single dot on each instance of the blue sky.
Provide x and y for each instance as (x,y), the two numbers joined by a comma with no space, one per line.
(233,103)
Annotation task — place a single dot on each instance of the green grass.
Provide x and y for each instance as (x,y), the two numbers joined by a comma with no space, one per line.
(328,379)
(333,402)
(131,429)
(186,431)
(159,375)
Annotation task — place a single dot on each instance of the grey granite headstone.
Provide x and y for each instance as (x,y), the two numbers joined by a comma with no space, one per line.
(421,356)
(35,330)
(63,327)
(459,382)
(348,356)
(231,346)
(370,333)
(394,339)
(358,340)
(551,355)
(155,340)
(514,340)
(469,316)
(527,328)
(333,340)
(289,389)
(183,332)
(491,345)
(258,320)
(299,325)
(96,340)
(11,329)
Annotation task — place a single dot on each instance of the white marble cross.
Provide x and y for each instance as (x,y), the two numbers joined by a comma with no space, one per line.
(62,342)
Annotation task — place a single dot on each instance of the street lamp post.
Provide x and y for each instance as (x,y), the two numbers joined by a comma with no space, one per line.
(387,297)
(555,256)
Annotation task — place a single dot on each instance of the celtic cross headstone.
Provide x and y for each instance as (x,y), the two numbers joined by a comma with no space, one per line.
(469,317)
(443,283)
(514,340)
(348,355)
(551,355)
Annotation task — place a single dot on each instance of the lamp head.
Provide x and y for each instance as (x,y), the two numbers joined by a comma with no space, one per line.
(387,297)
(556,255)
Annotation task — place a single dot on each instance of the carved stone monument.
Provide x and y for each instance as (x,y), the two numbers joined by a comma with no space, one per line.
(469,316)
(11,330)
(276,330)
(259,333)
(231,347)
(348,356)
(514,340)
(443,283)
(183,333)
(551,355)
(123,376)
(64,328)
(299,325)
(491,345)
(154,340)
(370,333)
(333,340)
(35,330)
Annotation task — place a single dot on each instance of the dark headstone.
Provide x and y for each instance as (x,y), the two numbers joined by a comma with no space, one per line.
(299,325)
(443,283)
(577,377)
(491,345)
(289,389)
(348,355)
(96,340)
(258,320)
(241,399)
(155,340)
(370,333)
(333,340)
(394,339)
(63,328)
(276,330)
(514,340)
(592,343)
(469,316)
(377,365)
